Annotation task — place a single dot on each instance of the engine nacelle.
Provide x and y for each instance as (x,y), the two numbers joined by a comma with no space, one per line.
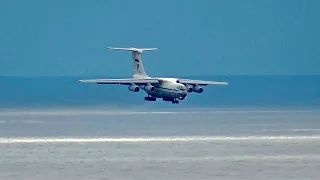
(189,88)
(197,89)
(134,88)
(149,88)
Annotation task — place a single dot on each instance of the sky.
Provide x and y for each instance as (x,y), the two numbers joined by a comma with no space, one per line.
(205,37)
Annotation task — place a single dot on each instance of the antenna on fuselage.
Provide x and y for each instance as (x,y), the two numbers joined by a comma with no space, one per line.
(138,69)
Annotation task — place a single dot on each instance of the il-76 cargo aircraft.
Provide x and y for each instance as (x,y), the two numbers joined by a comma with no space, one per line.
(168,89)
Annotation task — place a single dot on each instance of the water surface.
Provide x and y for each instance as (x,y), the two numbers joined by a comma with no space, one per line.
(160,144)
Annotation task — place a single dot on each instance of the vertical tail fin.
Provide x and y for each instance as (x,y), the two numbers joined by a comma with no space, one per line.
(138,69)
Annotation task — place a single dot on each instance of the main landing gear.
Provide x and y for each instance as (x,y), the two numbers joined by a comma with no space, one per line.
(175,102)
(150,98)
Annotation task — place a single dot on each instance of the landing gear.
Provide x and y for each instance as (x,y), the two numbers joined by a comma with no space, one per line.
(150,98)
(175,102)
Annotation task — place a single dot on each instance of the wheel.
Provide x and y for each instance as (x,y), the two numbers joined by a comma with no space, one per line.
(150,98)
(175,102)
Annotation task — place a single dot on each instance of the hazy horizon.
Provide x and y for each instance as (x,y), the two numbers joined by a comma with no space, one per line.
(242,91)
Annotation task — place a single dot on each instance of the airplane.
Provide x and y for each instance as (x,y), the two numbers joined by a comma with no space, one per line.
(167,89)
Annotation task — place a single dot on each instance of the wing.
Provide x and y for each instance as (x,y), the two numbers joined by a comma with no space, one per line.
(201,82)
(120,81)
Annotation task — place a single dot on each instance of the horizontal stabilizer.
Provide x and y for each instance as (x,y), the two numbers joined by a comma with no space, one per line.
(140,50)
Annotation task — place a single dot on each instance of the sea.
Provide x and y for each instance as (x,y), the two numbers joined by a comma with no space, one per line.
(261,127)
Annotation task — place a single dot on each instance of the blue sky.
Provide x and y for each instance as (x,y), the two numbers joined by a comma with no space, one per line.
(205,37)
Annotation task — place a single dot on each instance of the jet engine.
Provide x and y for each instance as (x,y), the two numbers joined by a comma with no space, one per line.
(197,89)
(134,88)
(149,88)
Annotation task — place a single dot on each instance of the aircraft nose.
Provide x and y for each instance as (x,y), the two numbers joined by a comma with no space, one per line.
(183,95)
(183,89)
(184,92)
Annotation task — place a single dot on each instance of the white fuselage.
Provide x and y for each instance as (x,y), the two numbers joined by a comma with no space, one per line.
(168,88)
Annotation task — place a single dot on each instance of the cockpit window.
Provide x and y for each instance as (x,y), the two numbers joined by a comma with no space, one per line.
(181,87)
